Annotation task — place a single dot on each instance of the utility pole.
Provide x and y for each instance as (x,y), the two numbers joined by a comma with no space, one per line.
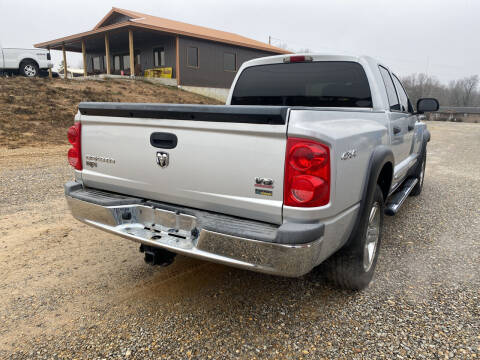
(269,40)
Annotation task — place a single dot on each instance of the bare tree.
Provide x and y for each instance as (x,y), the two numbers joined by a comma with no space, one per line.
(455,92)
(469,87)
(422,85)
(462,92)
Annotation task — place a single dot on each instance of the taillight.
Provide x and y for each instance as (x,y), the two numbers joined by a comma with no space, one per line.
(75,153)
(307,173)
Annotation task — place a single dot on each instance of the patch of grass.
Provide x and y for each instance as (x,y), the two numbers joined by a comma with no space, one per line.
(45,112)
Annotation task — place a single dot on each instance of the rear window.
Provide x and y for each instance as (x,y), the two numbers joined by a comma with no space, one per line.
(316,84)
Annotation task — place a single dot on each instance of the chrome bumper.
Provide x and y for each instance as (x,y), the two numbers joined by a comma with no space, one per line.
(181,234)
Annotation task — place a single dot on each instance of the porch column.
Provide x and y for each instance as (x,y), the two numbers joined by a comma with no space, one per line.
(64,61)
(107,53)
(84,54)
(132,53)
(177,61)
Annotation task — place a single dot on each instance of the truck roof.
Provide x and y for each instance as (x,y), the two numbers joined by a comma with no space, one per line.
(324,56)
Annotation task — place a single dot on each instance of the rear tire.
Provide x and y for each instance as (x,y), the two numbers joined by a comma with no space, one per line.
(353,266)
(420,173)
(29,69)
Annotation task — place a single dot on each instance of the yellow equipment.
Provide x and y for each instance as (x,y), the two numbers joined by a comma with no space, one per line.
(163,72)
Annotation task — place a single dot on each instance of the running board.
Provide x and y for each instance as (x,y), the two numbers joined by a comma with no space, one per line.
(397,199)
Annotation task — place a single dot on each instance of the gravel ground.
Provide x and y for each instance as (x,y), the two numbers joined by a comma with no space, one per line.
(70,291)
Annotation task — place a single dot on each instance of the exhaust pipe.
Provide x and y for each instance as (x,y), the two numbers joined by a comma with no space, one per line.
(157,256)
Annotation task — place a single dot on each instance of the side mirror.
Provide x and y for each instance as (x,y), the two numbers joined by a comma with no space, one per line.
(427,105)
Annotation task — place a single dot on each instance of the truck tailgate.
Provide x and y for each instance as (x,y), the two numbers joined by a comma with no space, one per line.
(220,152)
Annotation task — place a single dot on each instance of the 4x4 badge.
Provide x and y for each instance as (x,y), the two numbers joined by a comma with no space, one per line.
(162,159)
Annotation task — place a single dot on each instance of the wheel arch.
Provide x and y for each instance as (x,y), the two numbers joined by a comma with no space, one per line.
(385,177)
(380,171)
(380,167)
(24,60)
(426,135)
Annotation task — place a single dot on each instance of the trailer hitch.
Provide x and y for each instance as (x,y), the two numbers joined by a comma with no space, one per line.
(157,256)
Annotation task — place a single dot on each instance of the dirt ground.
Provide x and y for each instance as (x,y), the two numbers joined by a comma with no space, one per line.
(40,110)
(70,291)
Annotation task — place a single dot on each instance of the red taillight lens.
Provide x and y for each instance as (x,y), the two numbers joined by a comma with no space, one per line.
(307,173)
(73,158)
(72,135)
(75,153)
(307,156)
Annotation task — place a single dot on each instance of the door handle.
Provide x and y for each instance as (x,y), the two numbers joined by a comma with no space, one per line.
(411,127)
(163,140)
(396,130)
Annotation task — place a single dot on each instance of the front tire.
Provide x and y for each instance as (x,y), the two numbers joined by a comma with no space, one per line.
(353,266)
(29,69)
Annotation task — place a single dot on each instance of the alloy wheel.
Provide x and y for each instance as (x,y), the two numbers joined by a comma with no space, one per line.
(30,70)
(372,236)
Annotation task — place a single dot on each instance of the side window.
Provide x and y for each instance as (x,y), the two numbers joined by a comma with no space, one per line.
(116,63)
(391,93)
(229,62)
(159,57)
(404,100)
(192,57)
(126,62)
(96,61)
(406,105)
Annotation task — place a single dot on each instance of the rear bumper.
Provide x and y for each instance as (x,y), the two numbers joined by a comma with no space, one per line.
(222,239)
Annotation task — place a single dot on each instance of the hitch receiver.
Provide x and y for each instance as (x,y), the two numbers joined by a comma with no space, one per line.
(157,256)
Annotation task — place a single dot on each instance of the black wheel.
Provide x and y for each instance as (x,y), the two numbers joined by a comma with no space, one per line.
(29,69)
(420,173)
(353,266)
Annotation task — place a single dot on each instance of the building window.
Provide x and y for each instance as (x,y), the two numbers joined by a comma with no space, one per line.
(122,62)
(126,62)
(96,63)
(192,57)
(229,62)
(159,57)
(116,63)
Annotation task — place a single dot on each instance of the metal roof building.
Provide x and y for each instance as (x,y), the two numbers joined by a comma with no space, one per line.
(128,42)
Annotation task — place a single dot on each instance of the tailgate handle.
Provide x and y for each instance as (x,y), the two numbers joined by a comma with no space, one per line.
(163,140)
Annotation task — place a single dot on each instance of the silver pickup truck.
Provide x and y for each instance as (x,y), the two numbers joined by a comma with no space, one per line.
(298,168)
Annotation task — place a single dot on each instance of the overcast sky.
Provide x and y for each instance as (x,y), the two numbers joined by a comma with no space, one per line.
(440,37)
